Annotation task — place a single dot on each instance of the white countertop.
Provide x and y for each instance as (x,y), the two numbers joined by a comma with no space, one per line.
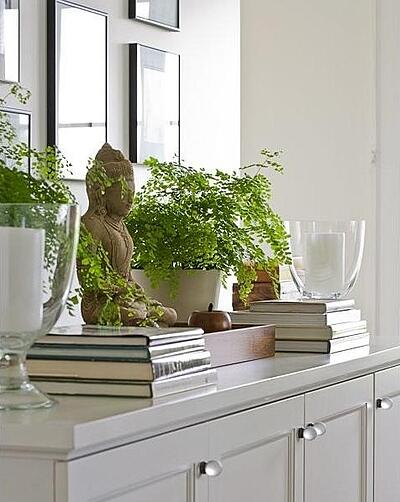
(80,425)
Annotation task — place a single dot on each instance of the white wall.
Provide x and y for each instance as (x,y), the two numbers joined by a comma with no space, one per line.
(308,87)
(209,45)
(388,164)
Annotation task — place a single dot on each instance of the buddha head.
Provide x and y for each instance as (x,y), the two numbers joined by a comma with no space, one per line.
(114,199)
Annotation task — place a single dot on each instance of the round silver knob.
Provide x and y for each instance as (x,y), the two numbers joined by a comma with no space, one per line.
(320,428)
(385,403)
(211,468)
(308,433)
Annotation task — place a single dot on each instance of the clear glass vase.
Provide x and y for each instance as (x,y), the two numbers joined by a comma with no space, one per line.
(37,255)
(326,256)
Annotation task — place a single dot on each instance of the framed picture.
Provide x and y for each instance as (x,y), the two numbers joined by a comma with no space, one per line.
(77,46)
(163,13)
(21,122)
(9,41)
(154,96)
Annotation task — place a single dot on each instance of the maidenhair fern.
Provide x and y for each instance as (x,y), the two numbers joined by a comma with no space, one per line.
(185,218)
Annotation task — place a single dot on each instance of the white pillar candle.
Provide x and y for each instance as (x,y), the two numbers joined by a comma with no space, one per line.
(21,288)
(324,262)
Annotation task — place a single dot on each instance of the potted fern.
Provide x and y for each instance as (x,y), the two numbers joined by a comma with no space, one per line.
(194,230)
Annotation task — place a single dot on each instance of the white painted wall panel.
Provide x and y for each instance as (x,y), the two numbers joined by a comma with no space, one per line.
(308,87)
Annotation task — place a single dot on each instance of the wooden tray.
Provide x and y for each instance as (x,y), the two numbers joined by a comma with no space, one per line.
(240,344)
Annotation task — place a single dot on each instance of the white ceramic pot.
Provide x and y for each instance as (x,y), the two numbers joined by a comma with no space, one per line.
(196,290)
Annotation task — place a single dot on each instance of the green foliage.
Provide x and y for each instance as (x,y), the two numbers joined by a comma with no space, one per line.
(42,186)
(97,176)
(45,186)
(182,219)
(98,179)
(185,218)
(97,277)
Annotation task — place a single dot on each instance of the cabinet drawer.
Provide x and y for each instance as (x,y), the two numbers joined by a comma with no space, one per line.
(163,468)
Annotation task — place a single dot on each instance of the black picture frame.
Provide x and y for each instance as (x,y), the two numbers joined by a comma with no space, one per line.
(146,62)
(13,75)
(77,172)
(24,132)
(154,18)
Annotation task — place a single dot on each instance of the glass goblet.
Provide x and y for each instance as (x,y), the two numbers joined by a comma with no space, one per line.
(38,244)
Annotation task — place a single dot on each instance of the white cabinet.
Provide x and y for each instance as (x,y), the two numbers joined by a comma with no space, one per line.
(163,468)
(387,435)
(338,464)
(245,456)
(318,446)
(260,453)
(310,448)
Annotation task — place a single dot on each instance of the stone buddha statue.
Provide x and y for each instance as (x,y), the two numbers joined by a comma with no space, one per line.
(104,219)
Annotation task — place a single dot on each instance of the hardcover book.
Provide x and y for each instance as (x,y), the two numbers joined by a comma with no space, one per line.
(128,369)
(301,306)
(291,319)
(112,352)
(123,388)
(320,333)
(124,336)
(324,347)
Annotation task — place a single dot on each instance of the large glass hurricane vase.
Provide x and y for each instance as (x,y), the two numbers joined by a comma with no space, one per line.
(326,256)
(37,255)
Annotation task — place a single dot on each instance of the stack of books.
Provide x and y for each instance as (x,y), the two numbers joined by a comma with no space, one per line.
(127,361)
(323,326)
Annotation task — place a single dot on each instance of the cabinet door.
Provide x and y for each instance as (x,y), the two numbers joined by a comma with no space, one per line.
(338,463)
(260,454)
(387,435)
(163,468)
